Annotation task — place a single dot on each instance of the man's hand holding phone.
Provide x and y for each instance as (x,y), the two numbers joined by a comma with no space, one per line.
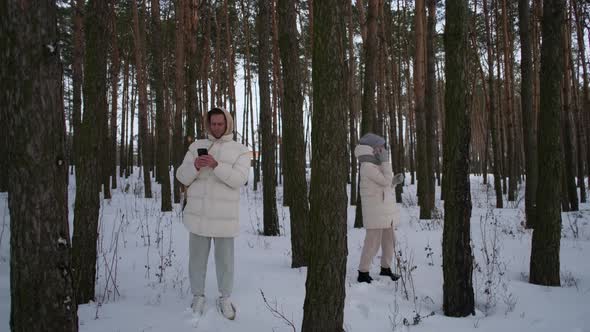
(204,160)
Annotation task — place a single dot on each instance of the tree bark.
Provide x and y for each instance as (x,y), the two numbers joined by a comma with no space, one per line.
(192,115)
(162,127)
(124,125)
(369,114)
(568,127)
(88,174)
(143,100)
(271,222)
(458,298)
(115,68)
(294,160)
(492,111)
(430,104)
(42,297)
(370,49)
(323,308)
(352,102)
(77,73)
(178,146)
(508,108)
(130,150)
(528,115)
(544,263)
(584,105)
(419,92)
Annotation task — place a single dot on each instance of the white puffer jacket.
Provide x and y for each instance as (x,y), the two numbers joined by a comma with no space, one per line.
(377,193)
(213,195)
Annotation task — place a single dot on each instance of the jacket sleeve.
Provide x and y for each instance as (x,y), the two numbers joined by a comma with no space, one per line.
(187,173)
(235,175)
(379,174)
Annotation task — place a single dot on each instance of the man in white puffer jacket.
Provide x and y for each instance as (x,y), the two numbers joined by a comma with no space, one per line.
(212,210)
(378,203)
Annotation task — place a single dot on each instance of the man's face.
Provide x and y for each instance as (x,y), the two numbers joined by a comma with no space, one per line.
(217,125)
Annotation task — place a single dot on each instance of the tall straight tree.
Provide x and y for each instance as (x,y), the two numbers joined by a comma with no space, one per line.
(370,50)
(190,31)
(544,266)
(269,181)
(352,102)
(143,98)
(458,298)
(42,297)
(177,146)
(492,108)
(115,68)
(568,129)
(529,118)
(430,106)
(423,133)
(294,159)
(163,157)
(323,308)
(77,60)
(369,113)
(585,102)
(88,172)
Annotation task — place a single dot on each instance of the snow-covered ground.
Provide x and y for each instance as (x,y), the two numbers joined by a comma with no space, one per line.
(143,283)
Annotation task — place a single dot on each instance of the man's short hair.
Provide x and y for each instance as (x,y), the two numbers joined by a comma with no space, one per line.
(215,111)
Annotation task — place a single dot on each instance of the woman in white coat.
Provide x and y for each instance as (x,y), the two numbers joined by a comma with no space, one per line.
(378,203)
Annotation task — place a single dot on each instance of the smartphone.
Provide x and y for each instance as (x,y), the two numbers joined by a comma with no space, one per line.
(202,152)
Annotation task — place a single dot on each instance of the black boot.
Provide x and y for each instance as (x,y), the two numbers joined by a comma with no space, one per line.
(364,277)
(387,272)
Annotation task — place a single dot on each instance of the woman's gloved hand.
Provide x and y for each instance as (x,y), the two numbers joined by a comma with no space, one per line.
(397,179)
(383,156)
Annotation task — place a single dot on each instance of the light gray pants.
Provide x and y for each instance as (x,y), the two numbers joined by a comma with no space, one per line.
(373,239)
(199,247)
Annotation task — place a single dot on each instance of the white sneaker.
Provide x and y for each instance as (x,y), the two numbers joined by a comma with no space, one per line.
(226,307)
(198,304)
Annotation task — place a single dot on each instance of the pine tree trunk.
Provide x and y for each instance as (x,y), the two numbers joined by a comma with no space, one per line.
(411,138)
(191,62)
(492,110)
(77,61)
(458,298)
(248,93)
(544,263)
(528,115)
(162,127)
(205,64)
(511,155)
(124,126)
(352,98)
(42,297)
(115,67)
(294,162)
(584,106)
(402,53)
(179,81)
(419,108)
(143,100)
(230,62)
(88,179)
(568,128)
(370,46)
(271,222)
(130,151)
(430,105)
(323,308)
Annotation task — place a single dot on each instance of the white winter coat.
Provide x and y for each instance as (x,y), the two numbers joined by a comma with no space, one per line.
(213,195)
(377,193)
